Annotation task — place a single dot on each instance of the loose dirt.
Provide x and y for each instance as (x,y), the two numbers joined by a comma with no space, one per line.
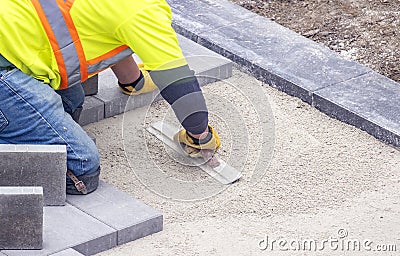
(367,31)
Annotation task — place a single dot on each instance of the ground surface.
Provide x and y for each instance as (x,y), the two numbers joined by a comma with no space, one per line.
(367,31)
(325,179)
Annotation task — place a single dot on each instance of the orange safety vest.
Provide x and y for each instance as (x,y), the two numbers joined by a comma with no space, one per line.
(64,40)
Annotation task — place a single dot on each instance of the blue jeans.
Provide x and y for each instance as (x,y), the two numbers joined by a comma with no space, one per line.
(31,112)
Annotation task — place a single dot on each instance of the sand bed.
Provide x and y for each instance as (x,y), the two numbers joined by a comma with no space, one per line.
(305,176)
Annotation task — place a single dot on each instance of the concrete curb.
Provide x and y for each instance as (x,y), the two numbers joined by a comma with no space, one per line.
(342,89)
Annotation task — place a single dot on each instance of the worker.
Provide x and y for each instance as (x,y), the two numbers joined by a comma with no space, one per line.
(49,47)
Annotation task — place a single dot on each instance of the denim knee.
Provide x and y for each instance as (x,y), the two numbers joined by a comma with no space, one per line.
(92,160)
(87,163)
(83,158)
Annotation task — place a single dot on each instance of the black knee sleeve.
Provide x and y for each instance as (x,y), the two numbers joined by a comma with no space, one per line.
(180,88)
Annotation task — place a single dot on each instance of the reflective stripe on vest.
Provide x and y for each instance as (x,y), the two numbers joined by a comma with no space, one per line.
(98,64)
(64,40)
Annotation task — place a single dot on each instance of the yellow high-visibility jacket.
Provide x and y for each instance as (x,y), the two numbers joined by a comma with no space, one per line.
(104,28)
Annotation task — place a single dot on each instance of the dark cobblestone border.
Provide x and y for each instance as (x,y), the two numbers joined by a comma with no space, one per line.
(342,89)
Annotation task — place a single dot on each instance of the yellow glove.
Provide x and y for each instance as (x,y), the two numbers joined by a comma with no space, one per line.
(192,148)
(148,86)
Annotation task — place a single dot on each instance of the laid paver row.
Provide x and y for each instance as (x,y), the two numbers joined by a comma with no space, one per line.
(89,225)
(283,59)
(109,101)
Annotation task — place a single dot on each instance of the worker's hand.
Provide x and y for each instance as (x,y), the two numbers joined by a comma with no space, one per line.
(148,85)
(193,146)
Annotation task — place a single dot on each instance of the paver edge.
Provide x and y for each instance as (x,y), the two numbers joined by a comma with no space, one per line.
(194,36)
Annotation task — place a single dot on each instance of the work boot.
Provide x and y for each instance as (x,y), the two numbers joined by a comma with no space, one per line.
(91,182)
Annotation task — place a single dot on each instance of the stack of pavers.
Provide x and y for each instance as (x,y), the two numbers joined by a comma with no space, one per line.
(36,216)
